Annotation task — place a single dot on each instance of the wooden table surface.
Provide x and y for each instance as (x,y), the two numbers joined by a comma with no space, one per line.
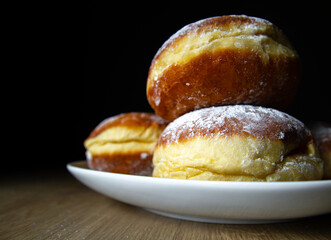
(56,206)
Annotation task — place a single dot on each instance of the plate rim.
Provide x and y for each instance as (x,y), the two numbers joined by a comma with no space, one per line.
(190,181)
(204,194)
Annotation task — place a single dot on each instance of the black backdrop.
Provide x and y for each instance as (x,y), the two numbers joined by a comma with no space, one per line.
(93,64)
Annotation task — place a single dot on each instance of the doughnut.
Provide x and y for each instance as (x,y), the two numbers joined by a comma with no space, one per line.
(237,143)
(124,143)
(322,134)
(219,61)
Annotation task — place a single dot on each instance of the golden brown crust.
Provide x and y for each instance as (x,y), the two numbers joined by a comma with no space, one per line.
(129,120)
(135,164)
(245,71)
(254,83)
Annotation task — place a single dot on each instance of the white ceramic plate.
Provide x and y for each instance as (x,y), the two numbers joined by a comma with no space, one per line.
(212,201)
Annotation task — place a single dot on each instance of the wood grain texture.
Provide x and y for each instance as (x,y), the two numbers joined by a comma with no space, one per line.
(57,206)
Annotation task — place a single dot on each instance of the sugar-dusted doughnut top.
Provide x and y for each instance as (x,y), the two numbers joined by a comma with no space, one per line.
(259,122)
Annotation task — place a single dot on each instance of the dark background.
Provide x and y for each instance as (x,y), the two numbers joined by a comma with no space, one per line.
(74,68)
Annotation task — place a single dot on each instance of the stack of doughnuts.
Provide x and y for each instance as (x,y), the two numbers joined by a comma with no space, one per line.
(221,83)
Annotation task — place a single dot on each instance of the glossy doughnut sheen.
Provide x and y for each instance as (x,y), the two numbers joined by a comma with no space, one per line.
(237,143)
(224,60)
(124,143)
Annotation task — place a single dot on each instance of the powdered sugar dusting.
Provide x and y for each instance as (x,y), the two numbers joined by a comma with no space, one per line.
(223,121)
(253,27)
